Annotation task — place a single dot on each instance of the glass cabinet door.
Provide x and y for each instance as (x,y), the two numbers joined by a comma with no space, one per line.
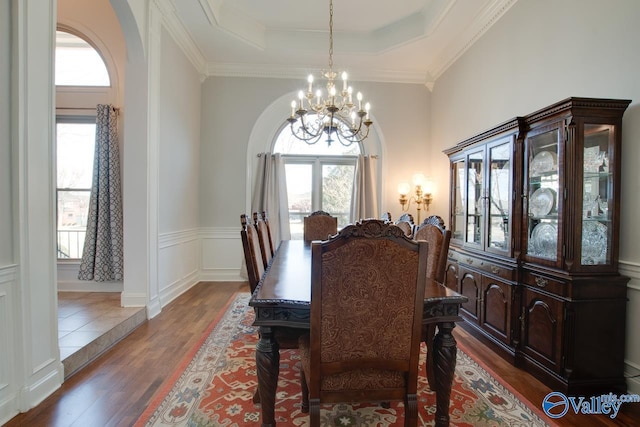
(597,198)
(542,175)
(499,192)
(475,198)
(458,200)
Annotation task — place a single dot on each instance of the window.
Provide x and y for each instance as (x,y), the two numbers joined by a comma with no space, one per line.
(78,63)
(75,139)
(319,177)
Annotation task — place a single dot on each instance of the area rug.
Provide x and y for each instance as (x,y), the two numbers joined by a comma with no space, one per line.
(214,386)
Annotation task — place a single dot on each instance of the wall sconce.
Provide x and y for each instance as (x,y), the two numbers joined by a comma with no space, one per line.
(422,193)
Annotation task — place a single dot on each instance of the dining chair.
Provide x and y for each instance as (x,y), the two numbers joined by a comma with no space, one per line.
(319,225)
(405,222)
(252,255)
(438,240)
(367,293)
(255,271)
(434,220)
(263,238)
(265,218)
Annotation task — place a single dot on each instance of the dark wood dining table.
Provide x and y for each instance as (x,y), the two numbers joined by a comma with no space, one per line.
(282,304)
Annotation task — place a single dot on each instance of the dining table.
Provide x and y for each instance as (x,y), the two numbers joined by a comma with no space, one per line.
(282,305)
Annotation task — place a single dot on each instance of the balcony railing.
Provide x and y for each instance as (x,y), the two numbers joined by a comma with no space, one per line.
(71,243)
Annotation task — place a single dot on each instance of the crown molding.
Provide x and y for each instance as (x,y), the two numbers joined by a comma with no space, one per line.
(494,11)
(181,36)
(299,73)
(212,9)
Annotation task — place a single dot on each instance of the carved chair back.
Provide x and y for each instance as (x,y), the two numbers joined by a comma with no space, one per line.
(319,225)
(367,288)
(405,222)
(438,240)
(252,255)
(263,239)
(265,218)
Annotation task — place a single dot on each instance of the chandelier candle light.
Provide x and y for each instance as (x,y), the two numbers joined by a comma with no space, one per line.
(422,196)
(332,113)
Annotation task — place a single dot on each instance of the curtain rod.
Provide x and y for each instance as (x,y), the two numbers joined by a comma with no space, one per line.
(116,109)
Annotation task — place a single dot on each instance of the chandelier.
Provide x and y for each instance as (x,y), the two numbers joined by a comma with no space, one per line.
(332,113)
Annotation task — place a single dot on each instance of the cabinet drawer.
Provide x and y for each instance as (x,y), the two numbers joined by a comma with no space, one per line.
(487,266)
(545,283)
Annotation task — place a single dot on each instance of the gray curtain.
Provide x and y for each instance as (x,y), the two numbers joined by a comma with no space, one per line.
(364,200)
(102,257)
(270,195)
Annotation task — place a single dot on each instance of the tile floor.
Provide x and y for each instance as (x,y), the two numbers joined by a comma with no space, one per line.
(91,322)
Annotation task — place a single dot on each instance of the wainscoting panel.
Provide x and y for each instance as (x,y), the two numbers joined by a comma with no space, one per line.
(632,353)
(8,324)
(178,263)
(221,254)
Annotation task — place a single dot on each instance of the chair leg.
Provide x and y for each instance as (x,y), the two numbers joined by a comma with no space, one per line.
(411,411)
(314,412)
(429,334)
(305,392)
(256,396)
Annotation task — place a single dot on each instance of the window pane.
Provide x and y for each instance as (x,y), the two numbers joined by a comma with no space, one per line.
(75,151)
(299,179)
(337,186)
(78,63)
(73,207)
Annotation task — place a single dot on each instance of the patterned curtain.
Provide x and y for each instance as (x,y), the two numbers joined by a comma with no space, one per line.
(364,200)
(102,257)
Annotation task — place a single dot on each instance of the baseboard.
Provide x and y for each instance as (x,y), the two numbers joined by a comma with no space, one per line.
(89,286)
(177,288)
(32,396)
(222,275)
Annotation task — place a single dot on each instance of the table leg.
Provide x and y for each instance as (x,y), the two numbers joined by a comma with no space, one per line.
(268,369)
(445,350)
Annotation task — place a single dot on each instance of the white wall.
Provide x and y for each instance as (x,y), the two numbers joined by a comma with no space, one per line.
(30,367)
(6,218)
(540,52)
(230,109)
(178,171)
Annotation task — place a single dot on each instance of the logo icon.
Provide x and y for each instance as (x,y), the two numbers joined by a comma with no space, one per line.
(555,404)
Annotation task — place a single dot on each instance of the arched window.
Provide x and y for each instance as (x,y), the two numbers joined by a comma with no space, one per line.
(78,63)
(320,176)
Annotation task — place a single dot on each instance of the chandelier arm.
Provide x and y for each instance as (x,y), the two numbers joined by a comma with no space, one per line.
(334,114)
(312,140)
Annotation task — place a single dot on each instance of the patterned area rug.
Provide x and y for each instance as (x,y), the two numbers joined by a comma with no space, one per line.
(214,386)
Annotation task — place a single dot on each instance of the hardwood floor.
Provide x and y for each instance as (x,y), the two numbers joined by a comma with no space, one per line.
(116,388)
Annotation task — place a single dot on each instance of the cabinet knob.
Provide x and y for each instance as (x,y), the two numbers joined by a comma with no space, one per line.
(495,270)
(541,281)
(469,261)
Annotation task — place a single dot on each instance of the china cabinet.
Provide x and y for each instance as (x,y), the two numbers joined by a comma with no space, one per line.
(534,214)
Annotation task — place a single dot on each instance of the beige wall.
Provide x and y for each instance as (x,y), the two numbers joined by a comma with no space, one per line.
(540,52)
(231,107)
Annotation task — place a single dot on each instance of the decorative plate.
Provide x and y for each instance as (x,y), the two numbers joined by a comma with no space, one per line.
(544,161)
(541,202)
(594,243)
(545,240)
